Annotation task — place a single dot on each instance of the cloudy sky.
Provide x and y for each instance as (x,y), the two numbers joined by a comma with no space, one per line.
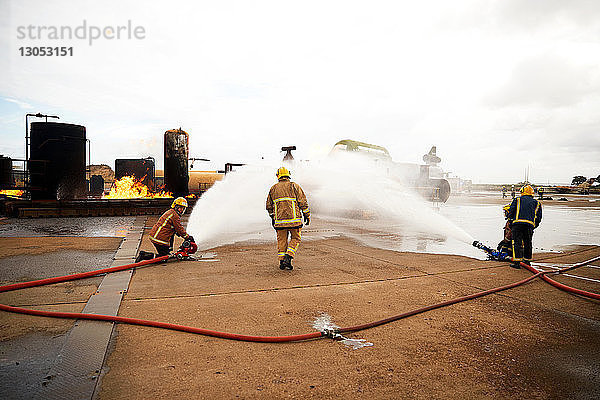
(497,86)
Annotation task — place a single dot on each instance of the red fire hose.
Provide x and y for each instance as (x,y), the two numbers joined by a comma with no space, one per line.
(65,278)
(562,286)
(250,338)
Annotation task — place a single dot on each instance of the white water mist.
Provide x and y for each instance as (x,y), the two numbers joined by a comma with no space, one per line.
(347,190)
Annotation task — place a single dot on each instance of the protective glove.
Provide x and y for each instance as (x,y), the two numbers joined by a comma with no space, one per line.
(191,238)
(306,220)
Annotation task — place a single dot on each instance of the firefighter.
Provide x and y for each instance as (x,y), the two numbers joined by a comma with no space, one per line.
(287,206)
(505,245)
(526,215)
(165,229)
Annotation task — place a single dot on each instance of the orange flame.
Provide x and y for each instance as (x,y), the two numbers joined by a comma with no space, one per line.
(12,193)
(130,188)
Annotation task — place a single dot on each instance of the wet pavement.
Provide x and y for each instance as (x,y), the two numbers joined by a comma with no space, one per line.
(52,264)
(89,226)
(561,227)
(26,359)
(25,362)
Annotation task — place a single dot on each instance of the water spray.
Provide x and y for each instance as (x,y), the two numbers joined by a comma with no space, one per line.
(491,253)
(330,330)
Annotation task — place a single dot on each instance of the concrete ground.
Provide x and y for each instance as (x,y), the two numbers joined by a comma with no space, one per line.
(529,342)
(30,345)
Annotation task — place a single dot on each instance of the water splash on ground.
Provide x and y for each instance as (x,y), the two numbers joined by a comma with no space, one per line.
(323,323)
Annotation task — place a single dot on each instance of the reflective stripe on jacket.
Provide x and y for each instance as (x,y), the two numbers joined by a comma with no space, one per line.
(525,210)
(168,225)
(286,204)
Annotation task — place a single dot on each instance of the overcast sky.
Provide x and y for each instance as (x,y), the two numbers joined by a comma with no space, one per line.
(497,86)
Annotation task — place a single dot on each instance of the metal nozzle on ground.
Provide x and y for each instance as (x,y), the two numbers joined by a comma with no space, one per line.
(491,253)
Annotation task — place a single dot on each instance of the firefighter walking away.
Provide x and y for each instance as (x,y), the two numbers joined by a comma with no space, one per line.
(287,206)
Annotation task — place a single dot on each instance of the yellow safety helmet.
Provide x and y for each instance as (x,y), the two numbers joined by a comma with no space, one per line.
(282,172)
(527,190)
(180,201)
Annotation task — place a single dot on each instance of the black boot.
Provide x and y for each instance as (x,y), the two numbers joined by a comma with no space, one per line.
(144,255)
(515,264)
(287,261)
(281,264)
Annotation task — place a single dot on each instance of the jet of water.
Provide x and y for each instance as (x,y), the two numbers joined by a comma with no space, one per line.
(351,189)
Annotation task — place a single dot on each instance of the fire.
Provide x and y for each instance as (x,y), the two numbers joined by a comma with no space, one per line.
(12,193)
(129,188)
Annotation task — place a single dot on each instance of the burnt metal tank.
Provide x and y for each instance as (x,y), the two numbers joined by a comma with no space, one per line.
(6,173)
(143,169)
(57,161)
(96,185)
(176,162)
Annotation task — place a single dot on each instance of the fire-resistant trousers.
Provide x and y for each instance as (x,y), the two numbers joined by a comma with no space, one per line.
(283,247)
(522,245)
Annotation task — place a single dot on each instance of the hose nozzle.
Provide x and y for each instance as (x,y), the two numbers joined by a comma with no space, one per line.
(492,254)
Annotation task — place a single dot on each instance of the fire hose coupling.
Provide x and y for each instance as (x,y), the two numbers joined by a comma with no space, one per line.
(186,250)
(332,333)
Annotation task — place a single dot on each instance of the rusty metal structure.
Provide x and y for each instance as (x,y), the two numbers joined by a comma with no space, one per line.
(176,162)
(288,153)
(56,163)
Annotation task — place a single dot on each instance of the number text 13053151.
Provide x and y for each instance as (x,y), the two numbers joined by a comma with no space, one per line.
(46,51)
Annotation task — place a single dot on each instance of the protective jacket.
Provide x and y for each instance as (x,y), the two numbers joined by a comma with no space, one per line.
(525,210)
(168,225)
(286,204)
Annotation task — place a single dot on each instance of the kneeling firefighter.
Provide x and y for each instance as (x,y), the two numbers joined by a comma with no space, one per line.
(526,214)
(165,229)
(287,206)
(505,245)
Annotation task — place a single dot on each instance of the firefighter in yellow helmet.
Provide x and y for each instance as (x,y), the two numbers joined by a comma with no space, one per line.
(505,245)
(287,206)
(165,229)
(526,214)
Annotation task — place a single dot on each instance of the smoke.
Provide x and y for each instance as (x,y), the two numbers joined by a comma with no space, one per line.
(350,193)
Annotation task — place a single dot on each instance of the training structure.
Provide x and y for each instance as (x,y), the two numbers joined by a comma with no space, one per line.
(176,162)
(142,169)
(427,179)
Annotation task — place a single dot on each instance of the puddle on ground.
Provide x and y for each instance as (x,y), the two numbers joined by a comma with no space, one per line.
(561,227)
(206,256)
(87,226)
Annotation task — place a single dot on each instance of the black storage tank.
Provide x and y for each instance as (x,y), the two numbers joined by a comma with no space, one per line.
(57,161)
(143,169)
(176,162)
(96,185)
(7,180)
